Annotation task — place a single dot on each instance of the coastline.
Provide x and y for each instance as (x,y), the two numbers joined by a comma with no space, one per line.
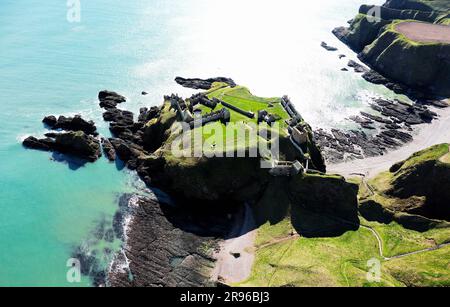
(427,135)
(166,245)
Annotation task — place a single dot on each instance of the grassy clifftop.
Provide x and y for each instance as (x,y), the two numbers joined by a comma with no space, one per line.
(396,56)
(412,249)
(403,60)
(419,185)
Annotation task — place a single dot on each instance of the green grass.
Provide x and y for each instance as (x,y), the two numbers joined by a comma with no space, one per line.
(342,261)
(382,182)
(429,154)
(215,137)
(398,240)
(445,22)
(242,98)
(438,5)
(429,269)
(315,262)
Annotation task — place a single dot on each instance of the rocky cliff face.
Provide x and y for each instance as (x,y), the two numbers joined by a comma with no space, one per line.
(426,175)
(418,67)
(168,246)
(422,66)
(77,144)
(419,185)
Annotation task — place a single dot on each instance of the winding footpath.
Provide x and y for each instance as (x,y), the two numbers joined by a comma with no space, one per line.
(380,241)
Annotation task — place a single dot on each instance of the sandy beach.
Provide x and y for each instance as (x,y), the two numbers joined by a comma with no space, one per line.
(427,135)
(235,258)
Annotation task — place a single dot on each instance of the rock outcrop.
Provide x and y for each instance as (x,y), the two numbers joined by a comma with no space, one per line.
(203,84)
(77,144)
(109,99)
(393,121)
(420,185)
(399,58)
(327,47)
(396,58)
(168,246)
(108,150)
(76,123)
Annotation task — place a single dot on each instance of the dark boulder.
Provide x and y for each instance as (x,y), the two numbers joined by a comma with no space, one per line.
(108,150)
(148,114)
(43,144)
(118,116)
(78,144)
(203,84)
(76,123)
(109,99)
(50,121)
(357,67)
(327,47)
(128,152)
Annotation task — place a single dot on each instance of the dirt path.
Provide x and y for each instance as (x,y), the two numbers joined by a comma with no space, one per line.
(425,32)
(428,135)
(235,258)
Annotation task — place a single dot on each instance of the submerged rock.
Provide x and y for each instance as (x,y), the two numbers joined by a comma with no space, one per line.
(327,47)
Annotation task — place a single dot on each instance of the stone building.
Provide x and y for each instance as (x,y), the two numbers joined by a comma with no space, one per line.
(286,169)
(234,108)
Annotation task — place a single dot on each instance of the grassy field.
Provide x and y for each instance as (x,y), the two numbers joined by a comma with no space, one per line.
(343,261)
(397,240)
(284,259)
(314,262)
(382,182)
(429,269)
(242,98)
(216,138)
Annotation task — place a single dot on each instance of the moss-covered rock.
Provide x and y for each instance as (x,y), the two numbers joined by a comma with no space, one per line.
(363,31)
(387,13)
(157,130)
(373,33)
(75,143)
(326,194)
(419,185)
(422,66)
(419,5)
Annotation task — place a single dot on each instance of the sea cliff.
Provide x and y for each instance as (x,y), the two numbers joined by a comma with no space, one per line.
(419,65)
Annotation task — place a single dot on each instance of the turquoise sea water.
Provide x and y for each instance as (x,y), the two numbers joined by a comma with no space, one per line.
(51,66)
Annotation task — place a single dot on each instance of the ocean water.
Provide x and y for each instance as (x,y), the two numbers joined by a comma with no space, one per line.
(51,66)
